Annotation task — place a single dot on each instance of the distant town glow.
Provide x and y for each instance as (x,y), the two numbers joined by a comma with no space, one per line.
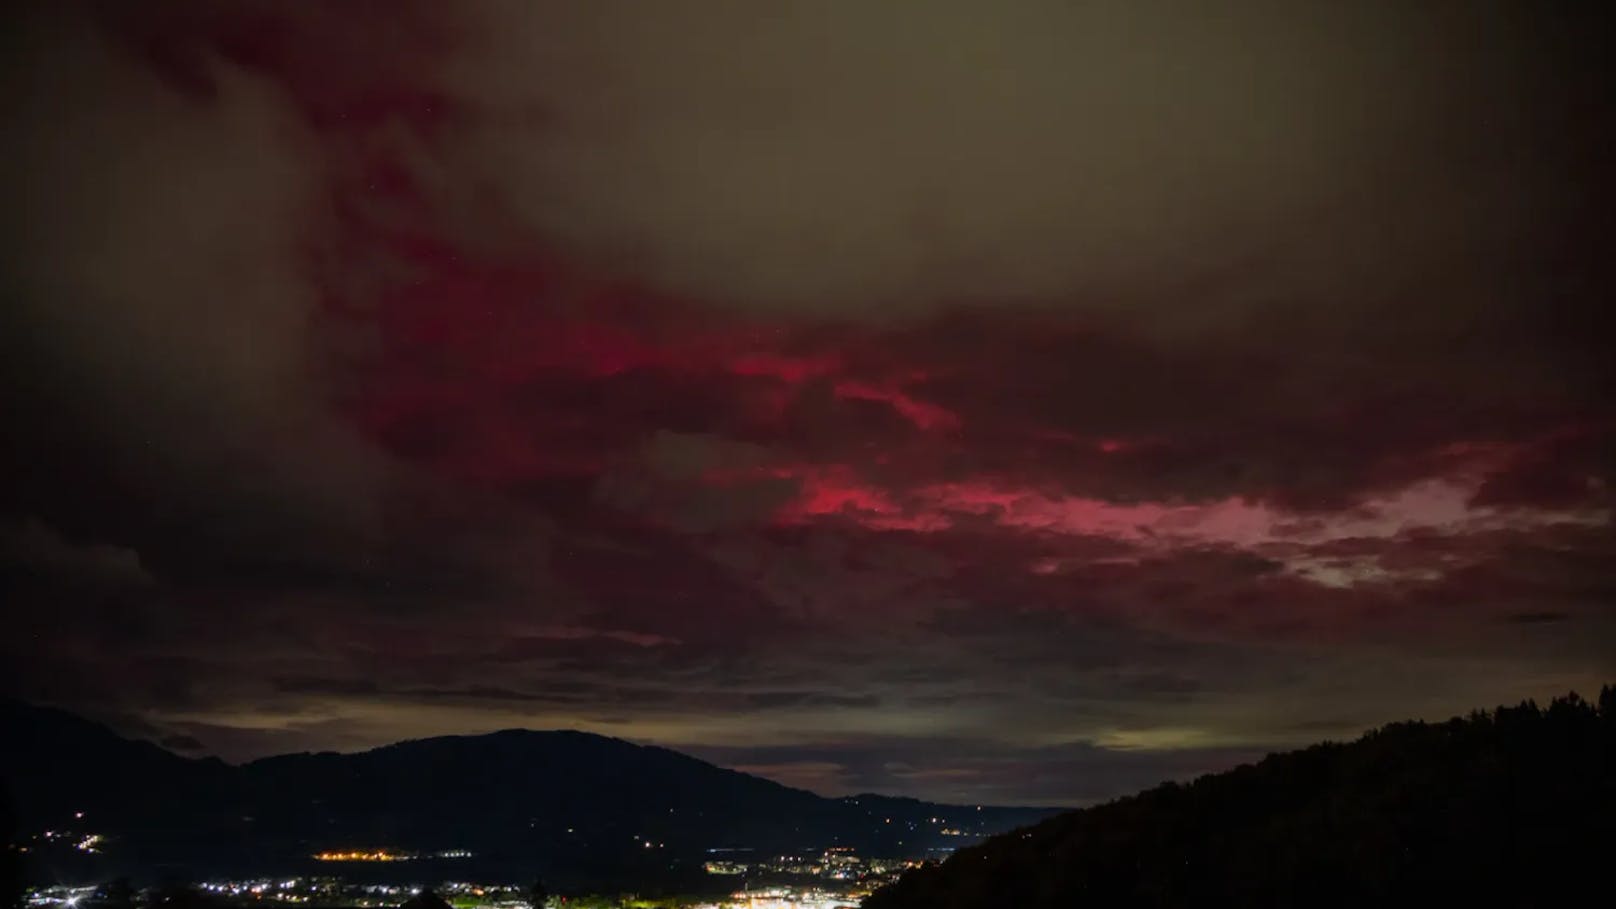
(385,855)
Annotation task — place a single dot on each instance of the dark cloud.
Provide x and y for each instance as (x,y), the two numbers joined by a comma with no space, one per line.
(182,743)
(1044,151)
(1536,618)
(766,699)
(1010,405)
(325,686)
(36,553)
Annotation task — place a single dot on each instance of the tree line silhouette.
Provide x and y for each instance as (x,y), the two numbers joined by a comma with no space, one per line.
(1516,807)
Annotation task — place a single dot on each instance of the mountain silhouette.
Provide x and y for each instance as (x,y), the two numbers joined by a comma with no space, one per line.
(573,807)
(1511,808)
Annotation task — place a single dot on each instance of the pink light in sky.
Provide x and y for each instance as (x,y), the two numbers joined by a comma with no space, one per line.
(1441,507)
(923,414)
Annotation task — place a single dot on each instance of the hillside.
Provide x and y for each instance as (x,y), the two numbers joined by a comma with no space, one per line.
(566,804)
(1516,807)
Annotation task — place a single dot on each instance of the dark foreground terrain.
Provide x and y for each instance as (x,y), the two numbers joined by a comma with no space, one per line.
(1511,808)
(579,809)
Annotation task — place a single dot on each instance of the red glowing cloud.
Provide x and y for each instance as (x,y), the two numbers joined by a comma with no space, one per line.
(524,355)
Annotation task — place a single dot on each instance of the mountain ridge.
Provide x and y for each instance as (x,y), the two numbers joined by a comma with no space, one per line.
(556,802)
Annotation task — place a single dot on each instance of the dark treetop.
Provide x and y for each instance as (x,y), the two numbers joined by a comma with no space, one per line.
(1516,807)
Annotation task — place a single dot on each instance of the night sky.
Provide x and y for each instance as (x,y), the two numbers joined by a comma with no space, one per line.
(1007,403)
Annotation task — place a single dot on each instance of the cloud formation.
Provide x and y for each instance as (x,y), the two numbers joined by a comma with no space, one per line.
(1016,405)
(833,158)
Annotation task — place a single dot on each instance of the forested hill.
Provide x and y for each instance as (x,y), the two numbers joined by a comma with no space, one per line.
(1516,807)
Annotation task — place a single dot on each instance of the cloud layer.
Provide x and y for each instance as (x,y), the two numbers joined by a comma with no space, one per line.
(1012,406)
